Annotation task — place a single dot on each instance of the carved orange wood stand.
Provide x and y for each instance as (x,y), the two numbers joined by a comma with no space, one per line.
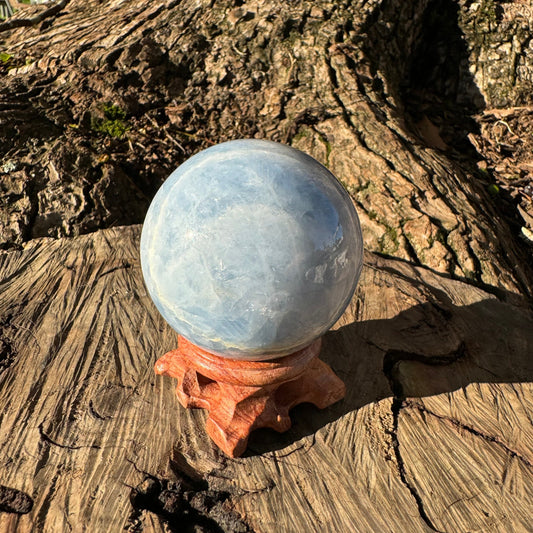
(245,395)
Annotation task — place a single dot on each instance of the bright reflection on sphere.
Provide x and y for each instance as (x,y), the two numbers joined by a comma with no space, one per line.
(251,249)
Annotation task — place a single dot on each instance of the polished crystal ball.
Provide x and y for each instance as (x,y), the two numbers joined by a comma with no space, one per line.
(251,249)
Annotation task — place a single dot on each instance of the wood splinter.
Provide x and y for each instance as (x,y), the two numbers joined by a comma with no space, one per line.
(245,395)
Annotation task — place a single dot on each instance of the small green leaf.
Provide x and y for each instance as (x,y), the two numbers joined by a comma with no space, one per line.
(5,57)
(493,189)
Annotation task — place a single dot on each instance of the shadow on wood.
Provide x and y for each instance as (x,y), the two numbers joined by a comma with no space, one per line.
(435,431)
(427,350)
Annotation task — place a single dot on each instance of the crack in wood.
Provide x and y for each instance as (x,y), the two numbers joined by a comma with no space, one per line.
(124,266)
(46,438)
(470,429)
(397,405)
(96,414)
(391,359)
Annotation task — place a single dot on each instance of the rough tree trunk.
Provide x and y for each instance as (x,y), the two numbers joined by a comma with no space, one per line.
(99,101)
(329,78)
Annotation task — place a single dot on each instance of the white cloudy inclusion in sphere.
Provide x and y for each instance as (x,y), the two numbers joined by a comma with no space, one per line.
(251,249)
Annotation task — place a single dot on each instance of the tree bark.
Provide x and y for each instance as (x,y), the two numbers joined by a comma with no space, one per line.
(331,78)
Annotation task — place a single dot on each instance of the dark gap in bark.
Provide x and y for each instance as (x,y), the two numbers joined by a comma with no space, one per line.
(438,85)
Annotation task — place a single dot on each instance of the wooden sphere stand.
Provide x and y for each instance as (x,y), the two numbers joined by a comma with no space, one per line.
(245,395)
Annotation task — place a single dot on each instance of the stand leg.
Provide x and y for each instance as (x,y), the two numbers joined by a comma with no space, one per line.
(237,409)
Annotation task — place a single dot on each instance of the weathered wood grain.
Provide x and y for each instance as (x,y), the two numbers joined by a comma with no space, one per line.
(435,433)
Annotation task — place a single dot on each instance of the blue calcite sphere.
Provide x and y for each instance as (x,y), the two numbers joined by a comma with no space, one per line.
(251,249)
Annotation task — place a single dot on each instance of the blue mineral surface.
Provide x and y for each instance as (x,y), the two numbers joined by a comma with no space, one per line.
(251,249)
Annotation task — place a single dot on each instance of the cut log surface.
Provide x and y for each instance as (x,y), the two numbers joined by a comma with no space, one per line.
(435,432)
